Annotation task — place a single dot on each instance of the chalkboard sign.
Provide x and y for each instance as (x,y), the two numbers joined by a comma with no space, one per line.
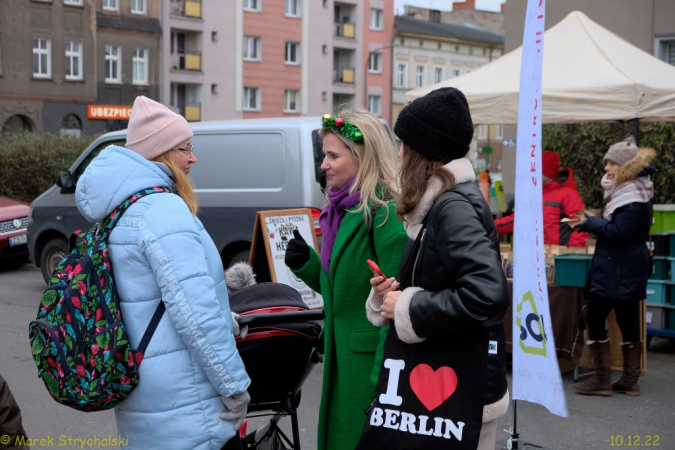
(271,233)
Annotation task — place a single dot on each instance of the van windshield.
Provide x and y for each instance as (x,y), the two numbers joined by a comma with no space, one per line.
(93,154)
(317,141)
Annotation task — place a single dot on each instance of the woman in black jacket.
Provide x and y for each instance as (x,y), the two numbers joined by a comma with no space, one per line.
(620,266)
(443,381)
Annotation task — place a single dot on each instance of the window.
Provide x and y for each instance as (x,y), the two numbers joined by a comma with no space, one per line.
(252,48)
(73,2)
(214,36)
(251,99)
(439,74)
(292,98)
(113,71)
(42,58)
(292,53)
(71,126)
(376,19)
(420,76)
(214,88)
(482,131)
(73,60)
(456,73)
(139,63)
(375,65)
(138,6)
(401,75)
(490,132)
(664,49)
(293,8)
(252,5)
(375,104)
(111,5)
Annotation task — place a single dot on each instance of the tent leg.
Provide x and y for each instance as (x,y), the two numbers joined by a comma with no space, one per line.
(636,131)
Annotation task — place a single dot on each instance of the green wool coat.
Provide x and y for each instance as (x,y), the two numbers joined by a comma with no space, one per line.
(351,341)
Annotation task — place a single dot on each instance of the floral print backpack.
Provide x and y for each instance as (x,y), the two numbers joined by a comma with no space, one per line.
(78,340)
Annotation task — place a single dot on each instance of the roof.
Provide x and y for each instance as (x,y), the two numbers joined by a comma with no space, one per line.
(142,24)
(589,74)
(406,24)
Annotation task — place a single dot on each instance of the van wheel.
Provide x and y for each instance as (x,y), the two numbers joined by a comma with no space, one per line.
(239,257)
(52,254)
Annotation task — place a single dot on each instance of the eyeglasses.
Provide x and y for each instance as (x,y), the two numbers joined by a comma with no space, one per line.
(187,151)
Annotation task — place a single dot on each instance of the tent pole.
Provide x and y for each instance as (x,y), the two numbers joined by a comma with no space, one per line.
(636,131)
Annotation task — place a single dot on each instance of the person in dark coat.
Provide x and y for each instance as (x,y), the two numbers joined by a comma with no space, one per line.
(445,347)
(12,434)
(620,267)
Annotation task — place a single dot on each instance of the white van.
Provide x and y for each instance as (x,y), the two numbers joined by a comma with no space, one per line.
(243,166)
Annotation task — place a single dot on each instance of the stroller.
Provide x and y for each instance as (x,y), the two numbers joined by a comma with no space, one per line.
(279,352)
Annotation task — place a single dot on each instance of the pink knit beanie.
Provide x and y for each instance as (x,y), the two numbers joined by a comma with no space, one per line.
(155,129)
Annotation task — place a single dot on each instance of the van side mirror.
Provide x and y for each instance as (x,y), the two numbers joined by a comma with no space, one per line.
(65,182)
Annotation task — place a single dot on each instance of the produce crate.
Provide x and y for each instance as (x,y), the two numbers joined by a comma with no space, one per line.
(670,266)
(572,269)
(656,317)
(662,265)
(656,292)
(661,244)
(670,293)
(664,218)
(672,243)
(670,320)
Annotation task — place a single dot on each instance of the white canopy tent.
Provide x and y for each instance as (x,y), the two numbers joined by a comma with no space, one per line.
(589,75)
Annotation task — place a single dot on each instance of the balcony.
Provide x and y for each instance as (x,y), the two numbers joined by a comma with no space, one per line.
(186,8)
(193,113)
(186,61)
(345,30)
(343,75)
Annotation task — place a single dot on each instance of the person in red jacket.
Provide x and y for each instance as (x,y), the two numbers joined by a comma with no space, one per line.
(561,200)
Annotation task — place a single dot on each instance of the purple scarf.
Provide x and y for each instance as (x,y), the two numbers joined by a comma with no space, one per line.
(339,201)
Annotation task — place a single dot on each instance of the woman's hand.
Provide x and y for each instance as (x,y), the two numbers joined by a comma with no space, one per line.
(389,303)
(381,286)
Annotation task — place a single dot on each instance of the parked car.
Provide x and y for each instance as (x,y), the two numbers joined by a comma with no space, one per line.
(13,227)
(244,166)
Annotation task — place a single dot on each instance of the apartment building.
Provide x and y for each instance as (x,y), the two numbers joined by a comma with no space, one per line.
(318,56)
(462,12)
(427,52)
(47,67)
(128,54)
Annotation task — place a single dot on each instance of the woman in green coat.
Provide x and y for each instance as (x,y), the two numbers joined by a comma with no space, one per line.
(358,223)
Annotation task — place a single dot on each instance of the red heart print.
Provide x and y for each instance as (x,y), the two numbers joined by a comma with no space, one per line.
(433,387)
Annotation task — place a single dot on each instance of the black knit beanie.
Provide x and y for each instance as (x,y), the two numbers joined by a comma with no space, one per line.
(437,125)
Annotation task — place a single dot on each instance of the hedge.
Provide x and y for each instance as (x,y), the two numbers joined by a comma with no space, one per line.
(32,161)
(582,146)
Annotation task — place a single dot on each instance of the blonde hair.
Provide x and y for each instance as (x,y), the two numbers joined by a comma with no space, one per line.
(377,159)
(183,184)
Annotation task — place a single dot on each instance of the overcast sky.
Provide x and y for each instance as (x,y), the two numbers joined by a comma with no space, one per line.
(445,5)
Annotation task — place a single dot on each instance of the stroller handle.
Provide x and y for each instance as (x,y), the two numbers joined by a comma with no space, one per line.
(282,317)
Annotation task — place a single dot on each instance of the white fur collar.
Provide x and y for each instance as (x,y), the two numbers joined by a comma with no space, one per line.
(463,172)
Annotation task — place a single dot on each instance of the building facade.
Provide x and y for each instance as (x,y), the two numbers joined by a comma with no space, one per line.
(462,12)
(128,55)
(47,65)
(428,52)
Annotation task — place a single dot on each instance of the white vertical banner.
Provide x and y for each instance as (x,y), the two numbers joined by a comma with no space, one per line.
(536,375)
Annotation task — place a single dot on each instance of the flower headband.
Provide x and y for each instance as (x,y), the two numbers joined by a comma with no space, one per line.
(343,127)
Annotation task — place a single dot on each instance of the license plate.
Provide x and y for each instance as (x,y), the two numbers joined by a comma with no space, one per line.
(18,240)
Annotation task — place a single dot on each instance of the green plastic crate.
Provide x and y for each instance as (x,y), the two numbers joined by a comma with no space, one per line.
(661,243)
(671,266)
(664,218)
(671,317)
(661,266)
(656,292)
(656,316)
(572,269)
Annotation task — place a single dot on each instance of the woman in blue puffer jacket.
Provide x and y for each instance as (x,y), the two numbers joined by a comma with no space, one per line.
(193,386)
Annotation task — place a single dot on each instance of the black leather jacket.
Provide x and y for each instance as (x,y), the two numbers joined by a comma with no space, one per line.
(465,291)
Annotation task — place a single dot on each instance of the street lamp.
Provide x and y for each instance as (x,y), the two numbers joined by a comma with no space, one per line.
(365,73)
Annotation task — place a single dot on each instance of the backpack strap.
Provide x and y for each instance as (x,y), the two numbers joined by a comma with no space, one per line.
(109,223)
(106,227)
